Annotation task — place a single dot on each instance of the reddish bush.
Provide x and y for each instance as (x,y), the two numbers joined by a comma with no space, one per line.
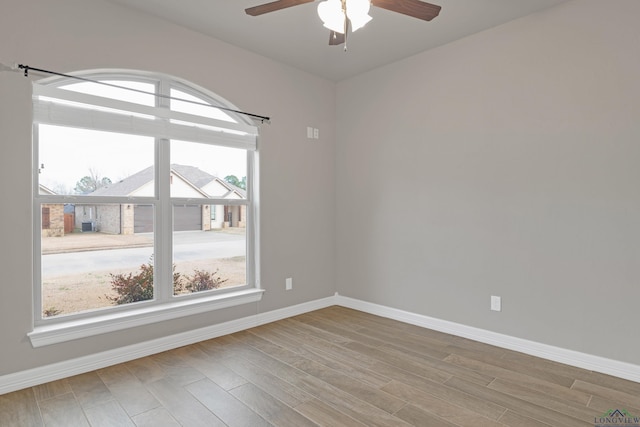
(203,281)
(138,287)
(132,287)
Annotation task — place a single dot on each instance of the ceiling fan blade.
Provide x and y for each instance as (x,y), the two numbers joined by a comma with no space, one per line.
(335,39)
(415,8)
(273,6)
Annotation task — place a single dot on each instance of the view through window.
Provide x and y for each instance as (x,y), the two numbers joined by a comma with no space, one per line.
(140,216)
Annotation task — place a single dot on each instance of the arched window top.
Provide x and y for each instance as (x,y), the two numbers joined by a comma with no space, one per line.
(150,89)
(98,99)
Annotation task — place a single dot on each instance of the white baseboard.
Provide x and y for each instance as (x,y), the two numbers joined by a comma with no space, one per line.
(56,371)
(68,368)
(569,357)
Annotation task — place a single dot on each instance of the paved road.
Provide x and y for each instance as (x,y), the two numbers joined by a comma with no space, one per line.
(189,245)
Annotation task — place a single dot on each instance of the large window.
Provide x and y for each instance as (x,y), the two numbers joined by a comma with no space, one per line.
(144,197)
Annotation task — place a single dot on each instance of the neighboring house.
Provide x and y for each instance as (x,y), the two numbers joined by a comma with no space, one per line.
(52,216)
(186,182)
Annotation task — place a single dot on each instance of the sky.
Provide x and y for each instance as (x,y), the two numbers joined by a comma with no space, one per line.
(66,155)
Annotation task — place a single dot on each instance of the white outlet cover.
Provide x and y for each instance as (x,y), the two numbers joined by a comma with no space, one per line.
(496,303)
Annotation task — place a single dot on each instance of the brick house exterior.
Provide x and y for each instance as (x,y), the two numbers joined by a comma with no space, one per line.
(52,216)
(52,220)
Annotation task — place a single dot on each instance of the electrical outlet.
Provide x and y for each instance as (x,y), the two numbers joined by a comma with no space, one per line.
(496,303)
(288,284)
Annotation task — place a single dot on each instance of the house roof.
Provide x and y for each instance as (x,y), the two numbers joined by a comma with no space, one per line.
(234,188)
(45,190)
(193,176)
(128,185)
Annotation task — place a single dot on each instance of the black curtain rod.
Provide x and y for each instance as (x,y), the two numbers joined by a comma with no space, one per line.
(26,68)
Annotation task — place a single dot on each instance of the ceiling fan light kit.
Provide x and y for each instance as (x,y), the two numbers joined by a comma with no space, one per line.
(335,13)
(340,16)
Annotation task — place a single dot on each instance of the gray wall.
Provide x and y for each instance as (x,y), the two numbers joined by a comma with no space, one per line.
(69,35)
(506,163)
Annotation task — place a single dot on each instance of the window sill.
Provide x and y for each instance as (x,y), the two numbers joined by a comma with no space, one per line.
(44,335)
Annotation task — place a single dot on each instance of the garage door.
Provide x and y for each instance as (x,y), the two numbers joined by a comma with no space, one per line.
(187,218)
(143,219)
(184,218)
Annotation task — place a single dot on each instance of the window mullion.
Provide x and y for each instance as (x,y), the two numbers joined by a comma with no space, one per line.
(164,214)
(164,218)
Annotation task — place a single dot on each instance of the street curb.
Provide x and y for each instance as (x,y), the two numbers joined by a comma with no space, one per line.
(101,248)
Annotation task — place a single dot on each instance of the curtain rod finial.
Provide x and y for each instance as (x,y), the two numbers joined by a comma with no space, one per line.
(25,68)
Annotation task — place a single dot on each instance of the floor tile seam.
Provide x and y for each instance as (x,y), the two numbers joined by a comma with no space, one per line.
(516,410)
(533,378)
(330,406)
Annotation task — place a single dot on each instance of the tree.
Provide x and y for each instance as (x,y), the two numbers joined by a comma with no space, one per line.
(233,180)
(90,183)
(62,189)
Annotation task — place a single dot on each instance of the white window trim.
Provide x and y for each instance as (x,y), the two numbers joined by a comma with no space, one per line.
(86,324)
(108,321)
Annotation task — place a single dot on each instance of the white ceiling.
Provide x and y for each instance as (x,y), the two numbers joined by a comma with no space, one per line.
(295,36)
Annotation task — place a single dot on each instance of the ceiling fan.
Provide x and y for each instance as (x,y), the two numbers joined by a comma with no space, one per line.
(342,16)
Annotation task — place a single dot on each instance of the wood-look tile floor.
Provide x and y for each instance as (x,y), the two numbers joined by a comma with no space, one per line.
(332,367)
